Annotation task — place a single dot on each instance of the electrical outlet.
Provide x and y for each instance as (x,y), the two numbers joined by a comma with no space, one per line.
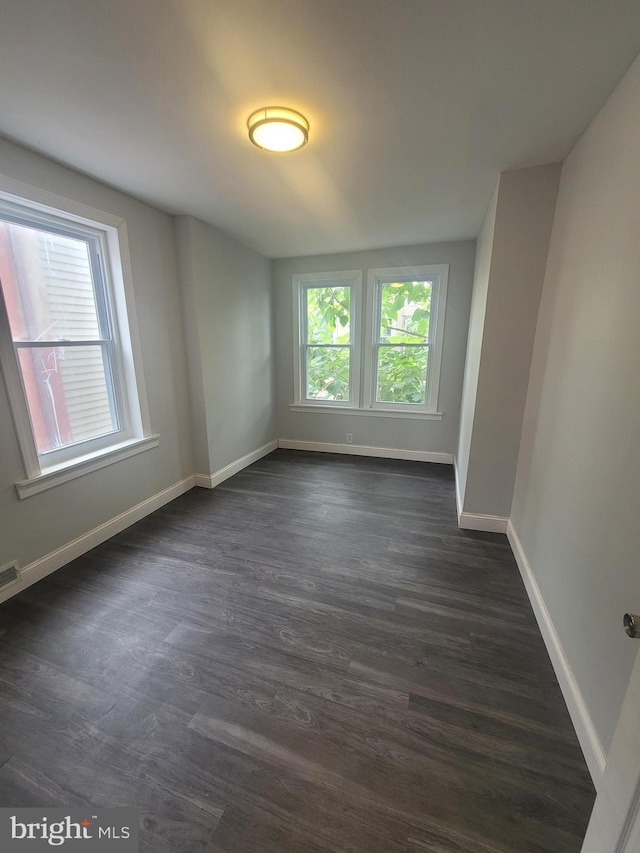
(349,438)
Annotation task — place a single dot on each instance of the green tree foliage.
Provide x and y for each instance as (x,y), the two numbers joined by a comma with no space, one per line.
(328,322)
(405,313)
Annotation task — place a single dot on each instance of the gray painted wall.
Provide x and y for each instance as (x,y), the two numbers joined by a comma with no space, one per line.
(31,528)
(521,233)
(227,302)
(575,506)
(484,249)
(416,435)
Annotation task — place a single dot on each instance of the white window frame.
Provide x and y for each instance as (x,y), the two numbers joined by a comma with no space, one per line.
(364,321)
(438,274)
(301,284)
(107,235)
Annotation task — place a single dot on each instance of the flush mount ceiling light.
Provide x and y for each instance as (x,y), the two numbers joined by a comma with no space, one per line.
(278,129)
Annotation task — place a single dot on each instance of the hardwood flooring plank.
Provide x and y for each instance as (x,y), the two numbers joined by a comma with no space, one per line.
(311,657)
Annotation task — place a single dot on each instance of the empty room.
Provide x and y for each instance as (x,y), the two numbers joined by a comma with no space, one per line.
(319,421)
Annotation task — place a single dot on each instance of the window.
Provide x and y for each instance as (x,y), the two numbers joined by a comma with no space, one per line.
(406,321)
(395,333)
(66,348)
(328,365)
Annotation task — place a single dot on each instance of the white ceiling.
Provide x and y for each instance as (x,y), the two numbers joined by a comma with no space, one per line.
(415,105)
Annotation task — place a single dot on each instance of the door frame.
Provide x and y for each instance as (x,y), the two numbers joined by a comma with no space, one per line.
(614,826)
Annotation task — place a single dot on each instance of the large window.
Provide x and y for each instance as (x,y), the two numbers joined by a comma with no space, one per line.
(66,348)
(395,333)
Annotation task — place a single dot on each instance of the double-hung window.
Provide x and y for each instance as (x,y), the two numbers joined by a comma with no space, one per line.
(329,360)
(394,331)
(65,342)
(405,322)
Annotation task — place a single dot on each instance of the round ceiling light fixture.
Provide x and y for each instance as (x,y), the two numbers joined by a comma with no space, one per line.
(278,129)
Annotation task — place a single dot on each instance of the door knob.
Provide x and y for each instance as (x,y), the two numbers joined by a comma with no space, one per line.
(631,622)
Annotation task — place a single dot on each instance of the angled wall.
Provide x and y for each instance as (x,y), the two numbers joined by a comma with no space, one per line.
(484,249)
(575,506)
(511,261)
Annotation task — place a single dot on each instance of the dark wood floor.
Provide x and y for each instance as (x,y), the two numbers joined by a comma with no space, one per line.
(311,657)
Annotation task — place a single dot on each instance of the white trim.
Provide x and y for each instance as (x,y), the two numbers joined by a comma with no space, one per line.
(46,201)
(480,521)
(16,396)
(592,749)
(367,450)
(79,467)
(108,238)
(630,838)
(457,483)
(123,293)
(476,520)
(371,413)
(61,556)
(209,481)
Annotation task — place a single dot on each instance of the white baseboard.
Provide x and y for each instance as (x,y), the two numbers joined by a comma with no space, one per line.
(61,556)
(209,481)
(367,450)
(592,749)
(476,520)
(589,741)
(479,521)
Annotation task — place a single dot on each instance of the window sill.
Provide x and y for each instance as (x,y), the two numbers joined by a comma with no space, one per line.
(84,465)
(371,413)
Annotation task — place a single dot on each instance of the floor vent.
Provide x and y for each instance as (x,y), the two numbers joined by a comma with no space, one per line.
(8,574)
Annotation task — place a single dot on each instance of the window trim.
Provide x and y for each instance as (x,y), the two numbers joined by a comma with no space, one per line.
(376,413)
(364,340)
(136,434)
(302,282)
(84,465)
(376,278)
